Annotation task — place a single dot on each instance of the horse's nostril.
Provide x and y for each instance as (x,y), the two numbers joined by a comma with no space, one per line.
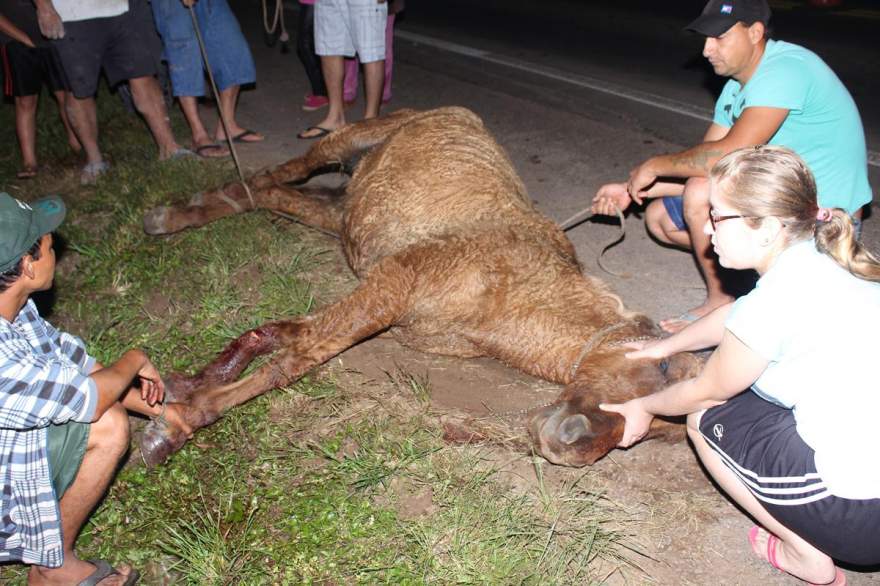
(574,428)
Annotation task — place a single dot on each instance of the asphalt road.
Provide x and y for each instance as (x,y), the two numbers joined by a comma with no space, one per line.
(578,93)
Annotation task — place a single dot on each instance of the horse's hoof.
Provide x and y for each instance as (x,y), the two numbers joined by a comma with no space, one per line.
(156,445)
(156,220)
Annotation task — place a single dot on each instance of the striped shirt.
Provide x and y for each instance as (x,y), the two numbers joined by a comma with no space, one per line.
(43,380)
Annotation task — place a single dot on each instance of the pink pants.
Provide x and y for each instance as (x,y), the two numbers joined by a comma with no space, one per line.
(350,84)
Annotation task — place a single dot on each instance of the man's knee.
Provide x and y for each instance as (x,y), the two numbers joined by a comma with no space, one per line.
(111,432)
(695,200)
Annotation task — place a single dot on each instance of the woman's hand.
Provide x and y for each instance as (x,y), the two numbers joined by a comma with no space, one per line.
(655,349)
(638,420)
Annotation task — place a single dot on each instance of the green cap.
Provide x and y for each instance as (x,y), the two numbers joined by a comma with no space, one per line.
(21,225)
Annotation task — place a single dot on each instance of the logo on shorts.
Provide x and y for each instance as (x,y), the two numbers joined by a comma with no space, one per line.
(718,431)
(726,9)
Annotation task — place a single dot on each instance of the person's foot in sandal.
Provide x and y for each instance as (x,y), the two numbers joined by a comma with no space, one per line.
(765,545)
(85,573)
(27,172)
(211,150)
(91,171)
(239,135)
(314,132)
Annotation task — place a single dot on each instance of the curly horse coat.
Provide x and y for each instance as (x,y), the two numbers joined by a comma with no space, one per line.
(452,258)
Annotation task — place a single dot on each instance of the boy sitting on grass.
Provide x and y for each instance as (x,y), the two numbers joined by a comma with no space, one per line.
(63,421)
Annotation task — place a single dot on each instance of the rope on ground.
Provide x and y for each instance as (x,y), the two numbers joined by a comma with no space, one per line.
(583,216)
(229,141)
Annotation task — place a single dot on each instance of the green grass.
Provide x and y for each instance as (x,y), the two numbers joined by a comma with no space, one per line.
(314,483)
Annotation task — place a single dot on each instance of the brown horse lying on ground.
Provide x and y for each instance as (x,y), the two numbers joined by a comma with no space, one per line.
(452,258)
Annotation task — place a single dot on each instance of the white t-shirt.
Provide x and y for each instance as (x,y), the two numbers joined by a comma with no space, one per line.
(74,10)
(817,325)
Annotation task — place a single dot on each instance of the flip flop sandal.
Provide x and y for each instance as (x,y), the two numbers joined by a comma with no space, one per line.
(241,137)
(104,570)
(203,151)
(321,131)
(772,541)
(26,173)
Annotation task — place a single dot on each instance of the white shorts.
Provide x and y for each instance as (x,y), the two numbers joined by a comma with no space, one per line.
(346,27)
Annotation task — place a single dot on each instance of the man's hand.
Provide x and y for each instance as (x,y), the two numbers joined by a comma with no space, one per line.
(638,421)
(50,23)
(610,198)
(189,3)
(152,387)
(640,180)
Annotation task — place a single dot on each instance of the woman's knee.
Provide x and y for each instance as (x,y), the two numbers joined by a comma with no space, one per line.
(693,425)
(112,430)
(656,218)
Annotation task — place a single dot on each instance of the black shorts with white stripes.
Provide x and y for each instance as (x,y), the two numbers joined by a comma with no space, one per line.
(758,441)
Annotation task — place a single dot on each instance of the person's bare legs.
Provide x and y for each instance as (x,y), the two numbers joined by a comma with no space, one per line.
(374,79)
(333,67)
(26,131)
(61,96)
(228,102)
(147,97)
(108,441)
(696,213)
(793,554)
(202,143)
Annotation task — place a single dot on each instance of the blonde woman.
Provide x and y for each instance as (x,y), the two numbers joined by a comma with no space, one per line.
(798,450)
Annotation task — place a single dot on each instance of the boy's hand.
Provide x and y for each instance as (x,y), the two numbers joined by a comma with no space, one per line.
(152,386)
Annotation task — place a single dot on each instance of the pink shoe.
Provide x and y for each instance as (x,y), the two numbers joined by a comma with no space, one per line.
(313,102)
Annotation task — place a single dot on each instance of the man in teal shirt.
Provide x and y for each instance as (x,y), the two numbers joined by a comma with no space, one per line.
(778,93)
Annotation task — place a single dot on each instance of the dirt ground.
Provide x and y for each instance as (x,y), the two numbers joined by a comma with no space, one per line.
(690,532)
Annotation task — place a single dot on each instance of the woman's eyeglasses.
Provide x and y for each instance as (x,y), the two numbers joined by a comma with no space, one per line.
(714,218)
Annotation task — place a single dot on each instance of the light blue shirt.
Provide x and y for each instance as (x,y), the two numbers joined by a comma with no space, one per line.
(823,124)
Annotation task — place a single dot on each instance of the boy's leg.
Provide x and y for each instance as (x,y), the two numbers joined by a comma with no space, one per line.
(350,80)
(26,130)
(107,442)
(82,115)
(228,101)
(389,58)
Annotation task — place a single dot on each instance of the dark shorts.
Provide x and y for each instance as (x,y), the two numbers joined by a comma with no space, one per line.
(67,446)
(758,441)
(27,69)
(118,45)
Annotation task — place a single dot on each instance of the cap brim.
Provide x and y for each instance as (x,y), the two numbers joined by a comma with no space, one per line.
(49,212)
(711,25)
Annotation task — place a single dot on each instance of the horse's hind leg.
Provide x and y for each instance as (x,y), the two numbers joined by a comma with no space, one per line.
(336,150)
(303,343)
(321,208)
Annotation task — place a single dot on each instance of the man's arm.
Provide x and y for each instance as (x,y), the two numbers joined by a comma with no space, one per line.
(50,22)
(13,32)
(757,125)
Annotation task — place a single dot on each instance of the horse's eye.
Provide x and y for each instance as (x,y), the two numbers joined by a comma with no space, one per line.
(664,366)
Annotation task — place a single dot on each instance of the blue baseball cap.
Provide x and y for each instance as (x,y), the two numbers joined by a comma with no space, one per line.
(22,224)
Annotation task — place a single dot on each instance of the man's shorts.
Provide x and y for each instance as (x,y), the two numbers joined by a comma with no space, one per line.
(675,211)
(67,445)
(346,27)
(228,52)
(758,441)
(117,44)
(27,69)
